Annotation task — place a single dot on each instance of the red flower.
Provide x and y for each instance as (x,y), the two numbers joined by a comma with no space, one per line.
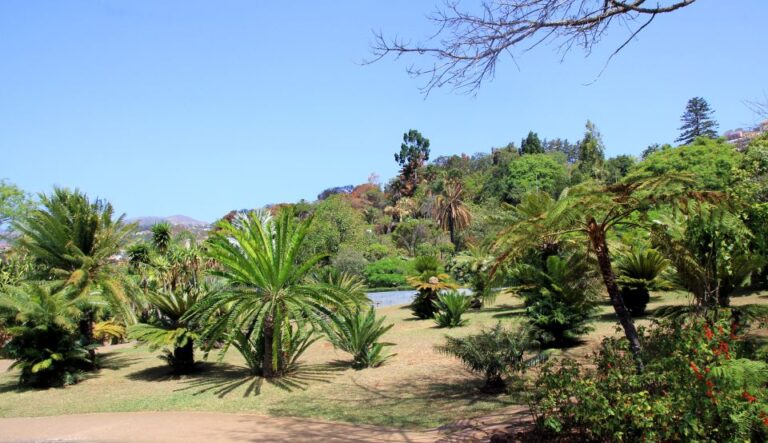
(710,384)
(708,332)
(750,398)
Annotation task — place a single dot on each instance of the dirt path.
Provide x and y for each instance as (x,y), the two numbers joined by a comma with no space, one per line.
(187,427)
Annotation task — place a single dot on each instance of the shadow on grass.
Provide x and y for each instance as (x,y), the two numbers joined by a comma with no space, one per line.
(222,380)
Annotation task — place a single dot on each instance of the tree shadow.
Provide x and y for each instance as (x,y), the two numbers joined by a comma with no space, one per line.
(501,308)
(514,312)
(115,360)
(226,379)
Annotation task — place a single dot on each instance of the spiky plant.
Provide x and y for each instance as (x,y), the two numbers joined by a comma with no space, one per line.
(175,283)
(74,239)
(560,297)
(109,330)
(428,286)
(42,324)
(638,273)
(358,333)
(476,265)
(450,306)
(495,353)
(268,289)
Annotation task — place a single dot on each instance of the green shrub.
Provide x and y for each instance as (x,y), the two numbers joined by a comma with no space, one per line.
(495,353)
(560,298)
(387,273)
(450,307)
(358,333)
(699,384)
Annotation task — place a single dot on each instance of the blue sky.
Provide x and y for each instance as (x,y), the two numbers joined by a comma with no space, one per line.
(198,107)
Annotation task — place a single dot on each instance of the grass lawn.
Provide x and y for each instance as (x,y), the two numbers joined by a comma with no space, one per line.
(418,388)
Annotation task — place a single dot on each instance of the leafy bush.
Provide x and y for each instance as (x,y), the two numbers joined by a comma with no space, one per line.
(450,307)
(494,353)
(350,261)
(560,298)
(387,273)
(638,272)
(699,384)
(358,333)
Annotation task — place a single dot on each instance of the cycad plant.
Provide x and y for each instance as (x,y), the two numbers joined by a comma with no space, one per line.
(175,283)
(358,332)
(451,305)
(74,240)
(42,324)
(428,281)
(476,266)
(496,353)
(638,273)
(560,297)
(268,291)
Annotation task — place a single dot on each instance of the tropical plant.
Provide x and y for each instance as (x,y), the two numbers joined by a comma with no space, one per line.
(638,273)
(709,249)
(268,291)
(559,298)
(358,333)
(428,284)
(294,340)
(593,211)
(387,272)
(74,240)
(450,306)
(450,212)
(42,324)
(475,266)
(496,353)
(161,236)
(109,331)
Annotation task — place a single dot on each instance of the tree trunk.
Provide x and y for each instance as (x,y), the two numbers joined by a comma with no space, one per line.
(184,358)
(85,327)
(597,237)
(267,369)
(452,231)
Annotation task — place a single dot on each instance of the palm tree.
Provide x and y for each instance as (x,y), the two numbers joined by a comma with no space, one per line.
(161,236)
(268,291)
(592,211)
(449,210)
(75,240)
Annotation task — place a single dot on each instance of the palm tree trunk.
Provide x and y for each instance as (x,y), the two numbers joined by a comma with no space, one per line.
(452,230)
(597,237)
(268,370)
(85,327)
(184,357)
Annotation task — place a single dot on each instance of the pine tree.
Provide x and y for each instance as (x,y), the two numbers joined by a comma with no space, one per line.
(591,152)
(531,144)
(697,121)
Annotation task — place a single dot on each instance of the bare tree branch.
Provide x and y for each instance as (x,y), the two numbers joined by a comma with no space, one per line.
(759,107)
(466,46)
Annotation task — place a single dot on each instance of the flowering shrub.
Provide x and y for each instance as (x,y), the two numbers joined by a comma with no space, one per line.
(699,384)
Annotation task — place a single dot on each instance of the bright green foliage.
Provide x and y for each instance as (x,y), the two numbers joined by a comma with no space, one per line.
(495,353)
(539,172)
(710,161)
(74,239)
(697,121)
(335,225)
(710,251)
(450,306)
(44,338)
(387,273)
(14,203)
(475,266)
(559,298)
(415,235)
(701,383)
(268,291)
(109,331)
(531,144)
(358,333)
(638,273)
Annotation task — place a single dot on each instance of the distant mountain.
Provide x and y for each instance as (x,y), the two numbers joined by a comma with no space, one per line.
(175,220)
